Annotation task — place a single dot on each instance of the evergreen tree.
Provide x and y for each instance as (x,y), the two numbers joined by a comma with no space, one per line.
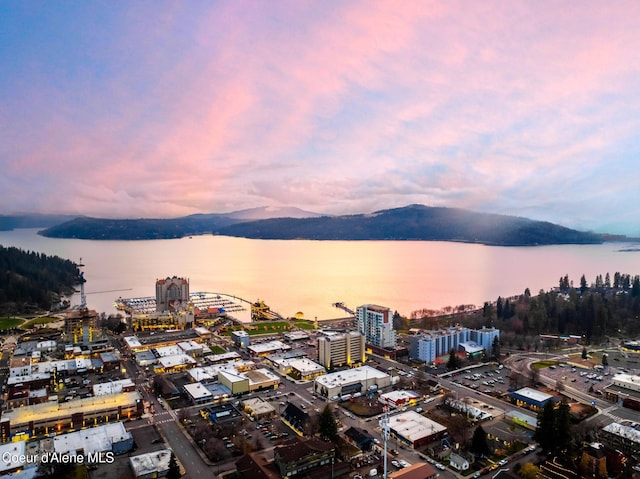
(327,427)
(495,348)
(583,284)
(174,469)
(499,308)
(507,312)
(479,444)
(562,426)
(584,353)
(454,362)
(544,433)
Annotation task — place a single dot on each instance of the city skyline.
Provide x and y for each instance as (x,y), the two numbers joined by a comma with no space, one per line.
(167,109)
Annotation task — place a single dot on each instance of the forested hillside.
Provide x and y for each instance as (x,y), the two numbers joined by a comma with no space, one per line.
(607,308)
(31,280)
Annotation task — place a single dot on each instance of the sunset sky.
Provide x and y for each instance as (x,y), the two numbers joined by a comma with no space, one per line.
(162,109)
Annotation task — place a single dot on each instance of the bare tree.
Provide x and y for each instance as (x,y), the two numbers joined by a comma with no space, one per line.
(534,376)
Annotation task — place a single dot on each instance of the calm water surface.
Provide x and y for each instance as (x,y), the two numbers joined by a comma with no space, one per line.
(308,276)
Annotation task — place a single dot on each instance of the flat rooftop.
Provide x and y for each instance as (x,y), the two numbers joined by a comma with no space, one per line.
(533,394)
(414,426)
(348,376)
(52,410)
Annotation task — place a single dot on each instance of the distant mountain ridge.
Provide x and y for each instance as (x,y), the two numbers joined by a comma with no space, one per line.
(11,222)
(413,222)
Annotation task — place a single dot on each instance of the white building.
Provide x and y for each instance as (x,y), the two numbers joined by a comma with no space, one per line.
(428,345)
(627,381)
(376,324)
(262,349)
(415,429)
(399,398)
(198,393)
(350,381)
(151,465)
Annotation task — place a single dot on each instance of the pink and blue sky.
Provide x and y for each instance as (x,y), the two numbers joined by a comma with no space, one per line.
(167,108)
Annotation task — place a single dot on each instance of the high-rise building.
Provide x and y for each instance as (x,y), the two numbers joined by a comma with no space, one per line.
(427,346)
(172,294)
(376,324)
(341,349)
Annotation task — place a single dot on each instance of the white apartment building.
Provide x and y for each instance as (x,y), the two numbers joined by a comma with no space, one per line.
(427,346)
(341,349)
(376,324)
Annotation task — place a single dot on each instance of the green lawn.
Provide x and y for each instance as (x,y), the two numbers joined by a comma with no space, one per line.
(8,323)
(544,364)
(305,324)
(217,350)
(268,328)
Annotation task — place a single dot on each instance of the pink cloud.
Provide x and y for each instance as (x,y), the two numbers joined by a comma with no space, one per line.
(338,107)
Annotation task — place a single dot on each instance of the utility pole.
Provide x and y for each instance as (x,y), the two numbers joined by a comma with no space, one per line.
(384,425)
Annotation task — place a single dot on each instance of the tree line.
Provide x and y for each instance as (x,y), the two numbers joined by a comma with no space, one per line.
(608,307)
(31,280)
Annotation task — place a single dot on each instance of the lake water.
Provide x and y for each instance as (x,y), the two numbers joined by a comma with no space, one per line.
(308,276)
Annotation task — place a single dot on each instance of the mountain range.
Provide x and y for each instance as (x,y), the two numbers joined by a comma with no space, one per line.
(413,222)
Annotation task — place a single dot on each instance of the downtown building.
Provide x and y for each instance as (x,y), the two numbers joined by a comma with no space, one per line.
(347,349)
(375,323)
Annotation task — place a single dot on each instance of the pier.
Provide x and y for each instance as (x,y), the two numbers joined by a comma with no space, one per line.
(343,307)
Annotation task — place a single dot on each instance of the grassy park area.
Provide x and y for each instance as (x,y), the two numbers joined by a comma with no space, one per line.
(8,323)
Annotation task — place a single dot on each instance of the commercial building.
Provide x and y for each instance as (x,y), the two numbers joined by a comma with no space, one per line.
(113,387)
(258,409)
(154,340)
(399,398)
(11,455)
(248,381)
(264,349)
(622,437)
(174,363)
(414,429)
(198,393)
(419,470)
(295,336)
(350,381)
(151,465)
(240,338)
(376,324)
(626,381)
(304,369)
(530,398)
(106,438)
(335,350)
(56,417)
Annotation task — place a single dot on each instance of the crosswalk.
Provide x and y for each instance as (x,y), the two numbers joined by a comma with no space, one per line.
(161,418)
